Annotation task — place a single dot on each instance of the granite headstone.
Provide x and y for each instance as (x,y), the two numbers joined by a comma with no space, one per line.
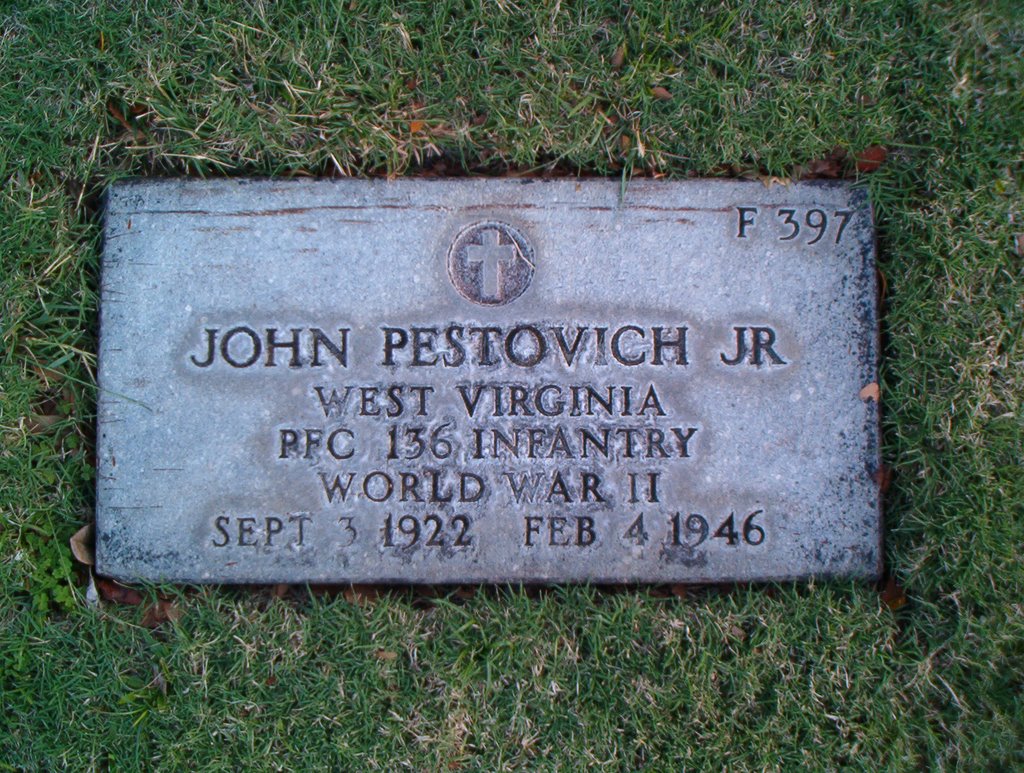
(439,381)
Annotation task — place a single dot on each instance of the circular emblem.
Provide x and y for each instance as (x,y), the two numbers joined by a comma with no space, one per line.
(490,263)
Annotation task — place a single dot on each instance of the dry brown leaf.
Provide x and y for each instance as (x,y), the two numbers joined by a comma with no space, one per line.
(164,610)
(893,595)
(385,655)
(115,111)
(117,593)
(870,392)
(46,374)
(660,92)
(619,57)
(831,166)
(883,477)
(679,589)
(82,545)
(869,159)
(36,424)
(415,127)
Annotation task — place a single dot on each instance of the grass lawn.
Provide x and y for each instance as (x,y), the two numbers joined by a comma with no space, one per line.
(818,675)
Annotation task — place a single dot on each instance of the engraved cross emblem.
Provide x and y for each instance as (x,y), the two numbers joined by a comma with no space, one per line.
(491,262)
(491,254)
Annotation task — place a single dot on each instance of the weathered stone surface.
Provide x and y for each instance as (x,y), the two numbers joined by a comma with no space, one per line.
(452,381)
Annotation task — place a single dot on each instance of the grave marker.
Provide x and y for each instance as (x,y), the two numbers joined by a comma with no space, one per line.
(487,380)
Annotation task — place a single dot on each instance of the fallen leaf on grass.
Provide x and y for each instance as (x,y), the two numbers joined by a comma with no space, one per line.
(869,159)
(117,593)
(870,392)
(115,111)
(415,127)
(831,166)
(883,477)
(164,610)
(81,545)
(37,424)
(893,595)
(619,57)
(55,403)
(679,589)
(660,92)
(46,375)
(118,115)
(385,655)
